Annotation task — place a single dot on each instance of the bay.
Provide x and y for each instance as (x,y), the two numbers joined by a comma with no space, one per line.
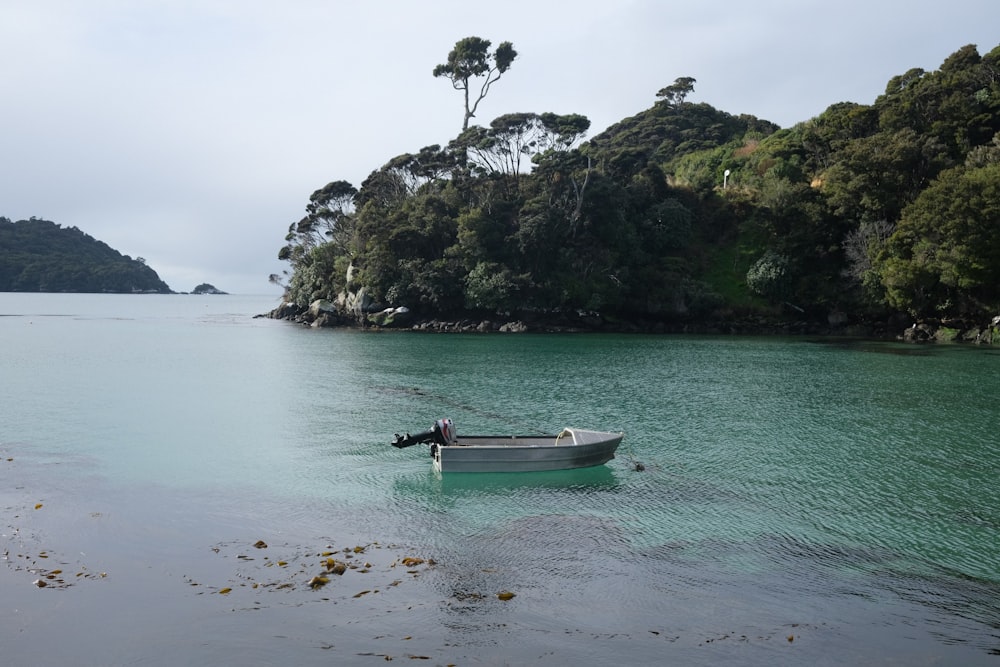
(799,500)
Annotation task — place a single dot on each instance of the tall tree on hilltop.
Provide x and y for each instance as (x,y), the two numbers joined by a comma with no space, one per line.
(471,59)
(674,94)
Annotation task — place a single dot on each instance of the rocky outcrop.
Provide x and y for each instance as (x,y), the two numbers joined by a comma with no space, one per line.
(391,317)
(357,309)
(286,311)
(953,331)
(357,304)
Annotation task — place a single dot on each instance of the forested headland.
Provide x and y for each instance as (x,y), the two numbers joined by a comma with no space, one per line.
(40,256)
(681,217)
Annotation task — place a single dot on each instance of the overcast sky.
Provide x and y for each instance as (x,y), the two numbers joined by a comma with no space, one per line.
(192,132)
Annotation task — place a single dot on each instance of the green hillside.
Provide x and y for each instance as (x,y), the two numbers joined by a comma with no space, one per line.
(41,256)
(681,213)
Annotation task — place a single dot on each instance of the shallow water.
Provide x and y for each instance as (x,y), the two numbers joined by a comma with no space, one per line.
(802,501)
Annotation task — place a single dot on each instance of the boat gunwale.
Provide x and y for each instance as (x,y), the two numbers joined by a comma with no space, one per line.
(535,441)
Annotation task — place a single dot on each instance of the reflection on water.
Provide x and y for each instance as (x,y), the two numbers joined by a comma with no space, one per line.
(879,347)
(461,486)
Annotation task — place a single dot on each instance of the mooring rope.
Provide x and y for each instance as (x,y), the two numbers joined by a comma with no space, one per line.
(633,463)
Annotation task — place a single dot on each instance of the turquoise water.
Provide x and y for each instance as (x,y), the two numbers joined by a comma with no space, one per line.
(801,501)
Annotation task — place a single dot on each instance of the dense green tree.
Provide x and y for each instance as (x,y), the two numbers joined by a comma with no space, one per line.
(330,215)
(957,105)
(482,235)
(944,257)
(876,177)
(822,138)
(491,287)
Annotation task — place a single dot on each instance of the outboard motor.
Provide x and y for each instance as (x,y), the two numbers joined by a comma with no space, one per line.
(442,433)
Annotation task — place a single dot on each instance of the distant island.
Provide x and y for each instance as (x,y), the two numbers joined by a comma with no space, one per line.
(40,256)
(205,288)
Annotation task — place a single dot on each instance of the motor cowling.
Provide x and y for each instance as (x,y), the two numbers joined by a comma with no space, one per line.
(445,432)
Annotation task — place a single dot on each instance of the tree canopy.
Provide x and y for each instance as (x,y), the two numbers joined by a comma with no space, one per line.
(872,209)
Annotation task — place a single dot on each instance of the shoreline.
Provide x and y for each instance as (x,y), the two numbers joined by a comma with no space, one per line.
(321,315)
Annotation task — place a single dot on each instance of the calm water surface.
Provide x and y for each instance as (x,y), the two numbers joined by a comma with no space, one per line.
(802,501)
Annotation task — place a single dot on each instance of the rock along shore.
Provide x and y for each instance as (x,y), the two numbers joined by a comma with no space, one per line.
(327,314)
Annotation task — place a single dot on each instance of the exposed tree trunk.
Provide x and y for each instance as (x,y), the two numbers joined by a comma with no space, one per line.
(578,192)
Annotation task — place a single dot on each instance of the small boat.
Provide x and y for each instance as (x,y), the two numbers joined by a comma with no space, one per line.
(570,448)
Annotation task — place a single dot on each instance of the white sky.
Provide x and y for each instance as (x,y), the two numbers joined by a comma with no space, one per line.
(192,132)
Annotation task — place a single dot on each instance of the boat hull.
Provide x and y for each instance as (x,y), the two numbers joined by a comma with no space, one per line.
(573,448)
